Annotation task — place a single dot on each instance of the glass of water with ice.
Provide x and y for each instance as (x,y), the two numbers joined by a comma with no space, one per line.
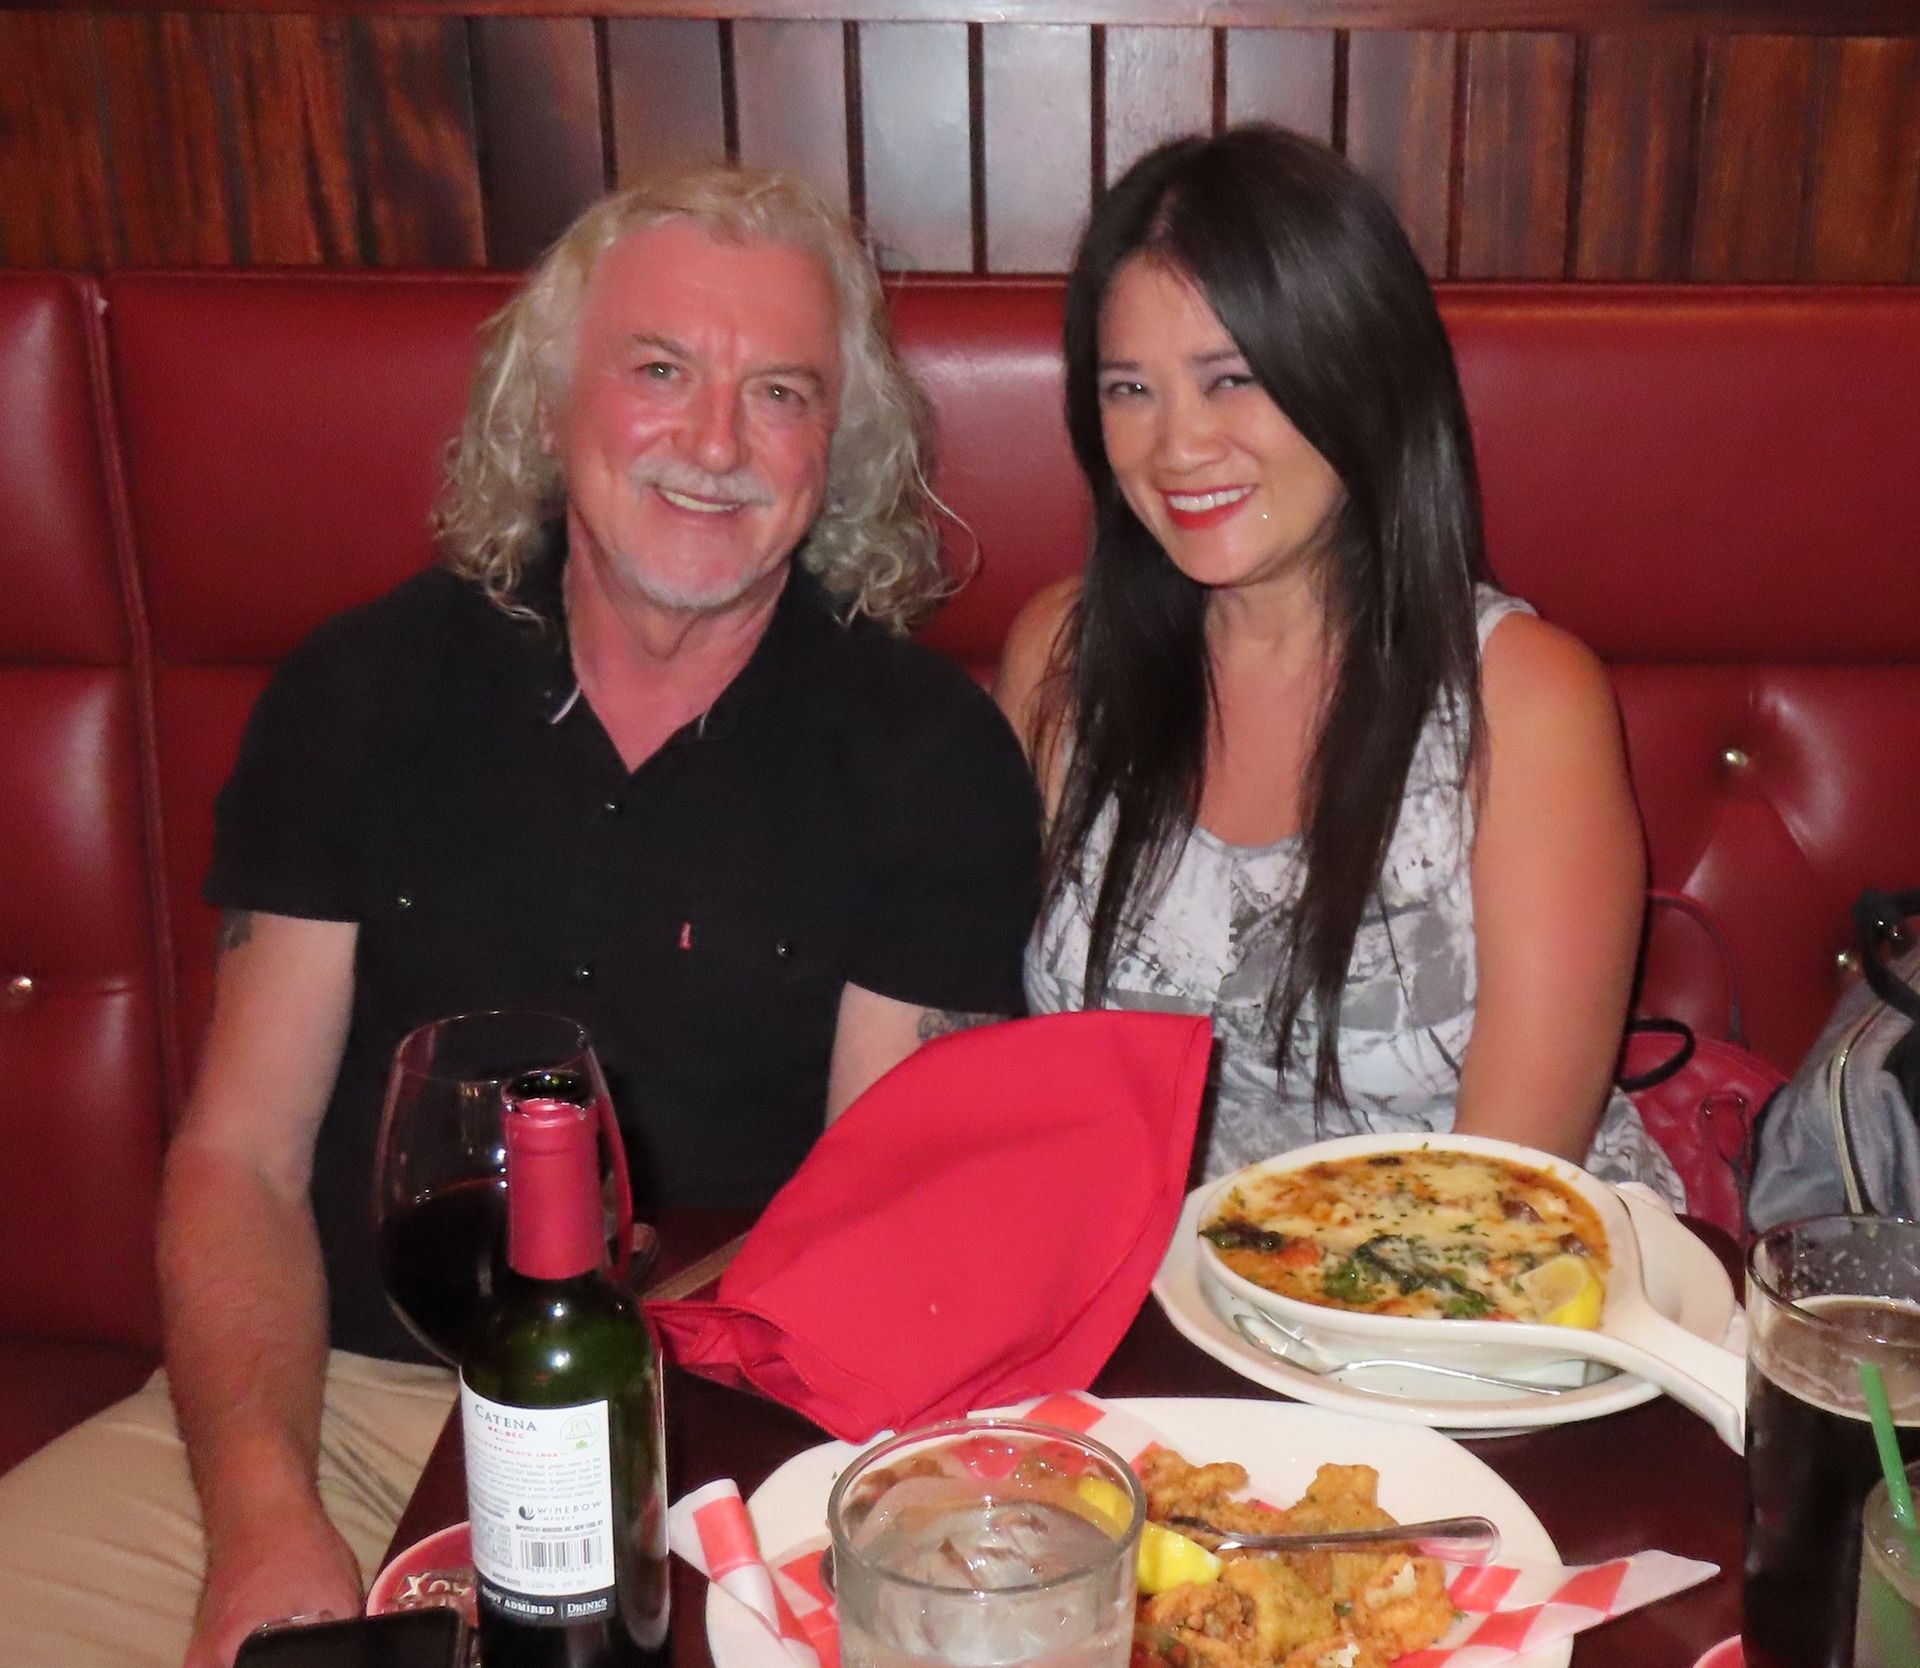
(986,1543)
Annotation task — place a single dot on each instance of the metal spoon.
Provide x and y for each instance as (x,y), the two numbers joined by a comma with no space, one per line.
(1458,1540)
(1316,1362)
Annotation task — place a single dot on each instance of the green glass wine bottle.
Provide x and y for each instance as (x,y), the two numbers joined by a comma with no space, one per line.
(561,1414)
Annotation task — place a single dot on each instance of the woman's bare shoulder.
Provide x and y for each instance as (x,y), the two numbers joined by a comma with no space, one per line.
(1536,674)
(1556,750)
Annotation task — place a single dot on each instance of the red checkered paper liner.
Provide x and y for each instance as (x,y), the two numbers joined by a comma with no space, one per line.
(1508,1609)
(710,1528)
(1515,1608)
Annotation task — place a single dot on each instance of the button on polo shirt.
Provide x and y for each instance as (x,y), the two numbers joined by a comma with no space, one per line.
(852,809)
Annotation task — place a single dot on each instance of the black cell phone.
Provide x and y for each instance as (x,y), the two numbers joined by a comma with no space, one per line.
(431,1637)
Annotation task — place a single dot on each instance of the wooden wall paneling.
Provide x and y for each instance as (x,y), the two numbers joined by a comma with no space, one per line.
(915,118)
(1400,98)
(171,176)
(411,84)
(1635,189)
(1751,172)
(1284,76)
(1036,101)
(537,104)
(790,92)
(668,92)
(1159,84)
(1866,163)
(286,82)
(54,207)
(1515,156)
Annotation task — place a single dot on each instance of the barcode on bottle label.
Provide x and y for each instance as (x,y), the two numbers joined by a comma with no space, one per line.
(562,1555)
(540,1497)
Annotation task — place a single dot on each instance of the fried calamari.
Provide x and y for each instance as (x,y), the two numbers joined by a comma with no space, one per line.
(1287,1610)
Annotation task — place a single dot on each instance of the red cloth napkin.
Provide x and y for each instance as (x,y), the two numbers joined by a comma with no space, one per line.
(980,1226)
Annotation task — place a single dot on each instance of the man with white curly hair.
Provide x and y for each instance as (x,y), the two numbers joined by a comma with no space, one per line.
(648,748)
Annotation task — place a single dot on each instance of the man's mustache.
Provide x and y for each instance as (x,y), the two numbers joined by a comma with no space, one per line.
(737,486)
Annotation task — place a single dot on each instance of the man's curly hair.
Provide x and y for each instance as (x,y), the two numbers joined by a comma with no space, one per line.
(874,546)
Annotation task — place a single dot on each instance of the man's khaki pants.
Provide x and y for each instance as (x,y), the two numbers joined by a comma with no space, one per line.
(100,1546)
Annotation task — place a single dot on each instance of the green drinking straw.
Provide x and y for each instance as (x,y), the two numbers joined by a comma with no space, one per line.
(1892,1467)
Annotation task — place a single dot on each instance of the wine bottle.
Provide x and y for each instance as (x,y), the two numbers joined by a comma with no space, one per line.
(561,1414)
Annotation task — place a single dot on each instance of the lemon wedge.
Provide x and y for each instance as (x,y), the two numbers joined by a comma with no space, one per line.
(1168,1559)
(1108,1499)
(1567,1291)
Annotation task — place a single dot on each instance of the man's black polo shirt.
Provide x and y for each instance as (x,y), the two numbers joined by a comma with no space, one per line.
(852,809)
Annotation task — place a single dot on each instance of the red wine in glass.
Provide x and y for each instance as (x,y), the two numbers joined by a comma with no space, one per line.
(442,1257)
(439,1208)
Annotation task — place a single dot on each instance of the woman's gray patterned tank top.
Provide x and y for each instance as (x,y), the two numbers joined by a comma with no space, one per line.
(1214,943)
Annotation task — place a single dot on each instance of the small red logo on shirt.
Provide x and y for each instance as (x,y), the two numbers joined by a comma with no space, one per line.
(686,935)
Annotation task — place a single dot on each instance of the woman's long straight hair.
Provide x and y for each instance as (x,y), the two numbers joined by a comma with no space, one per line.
(1305,265)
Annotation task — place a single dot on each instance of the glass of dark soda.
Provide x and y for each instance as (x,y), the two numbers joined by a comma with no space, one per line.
(1823,1295)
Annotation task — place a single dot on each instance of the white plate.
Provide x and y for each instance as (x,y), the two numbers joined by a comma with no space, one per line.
(1422,1475)
(1684,1281)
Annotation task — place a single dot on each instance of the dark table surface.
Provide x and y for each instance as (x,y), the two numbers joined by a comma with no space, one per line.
(1654,1476)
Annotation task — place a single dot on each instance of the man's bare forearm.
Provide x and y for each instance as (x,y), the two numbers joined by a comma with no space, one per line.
(244,1305)
(243,1295)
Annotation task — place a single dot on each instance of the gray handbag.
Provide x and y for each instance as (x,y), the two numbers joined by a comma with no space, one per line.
(1843,1135)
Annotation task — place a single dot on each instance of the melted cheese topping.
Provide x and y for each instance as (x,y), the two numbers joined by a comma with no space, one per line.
(1433,1234)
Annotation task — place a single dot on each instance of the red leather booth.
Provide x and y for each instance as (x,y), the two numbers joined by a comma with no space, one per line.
(1718,489)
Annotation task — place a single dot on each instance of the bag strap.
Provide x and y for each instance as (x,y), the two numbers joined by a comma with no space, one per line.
(1697,912)
(1634,1082)
(1880,928)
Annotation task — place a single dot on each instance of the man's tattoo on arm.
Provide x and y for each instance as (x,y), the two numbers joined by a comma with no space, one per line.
(943,1022)
(236,928)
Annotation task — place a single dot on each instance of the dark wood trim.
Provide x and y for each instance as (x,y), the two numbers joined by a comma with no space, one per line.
(1718,17)
(977,146)
(729,95)
(466,131)
(856,123)
(1576,150)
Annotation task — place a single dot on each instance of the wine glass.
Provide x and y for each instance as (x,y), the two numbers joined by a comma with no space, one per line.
(440,1184)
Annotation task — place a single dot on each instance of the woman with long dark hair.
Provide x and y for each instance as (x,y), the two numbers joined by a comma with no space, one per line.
(1307,771)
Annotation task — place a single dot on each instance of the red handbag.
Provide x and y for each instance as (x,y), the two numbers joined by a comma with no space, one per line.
(1700,1097)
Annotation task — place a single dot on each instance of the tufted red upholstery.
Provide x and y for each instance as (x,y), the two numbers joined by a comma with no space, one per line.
(1718,492)
(80,1106)
(988,356)
(1715,488)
